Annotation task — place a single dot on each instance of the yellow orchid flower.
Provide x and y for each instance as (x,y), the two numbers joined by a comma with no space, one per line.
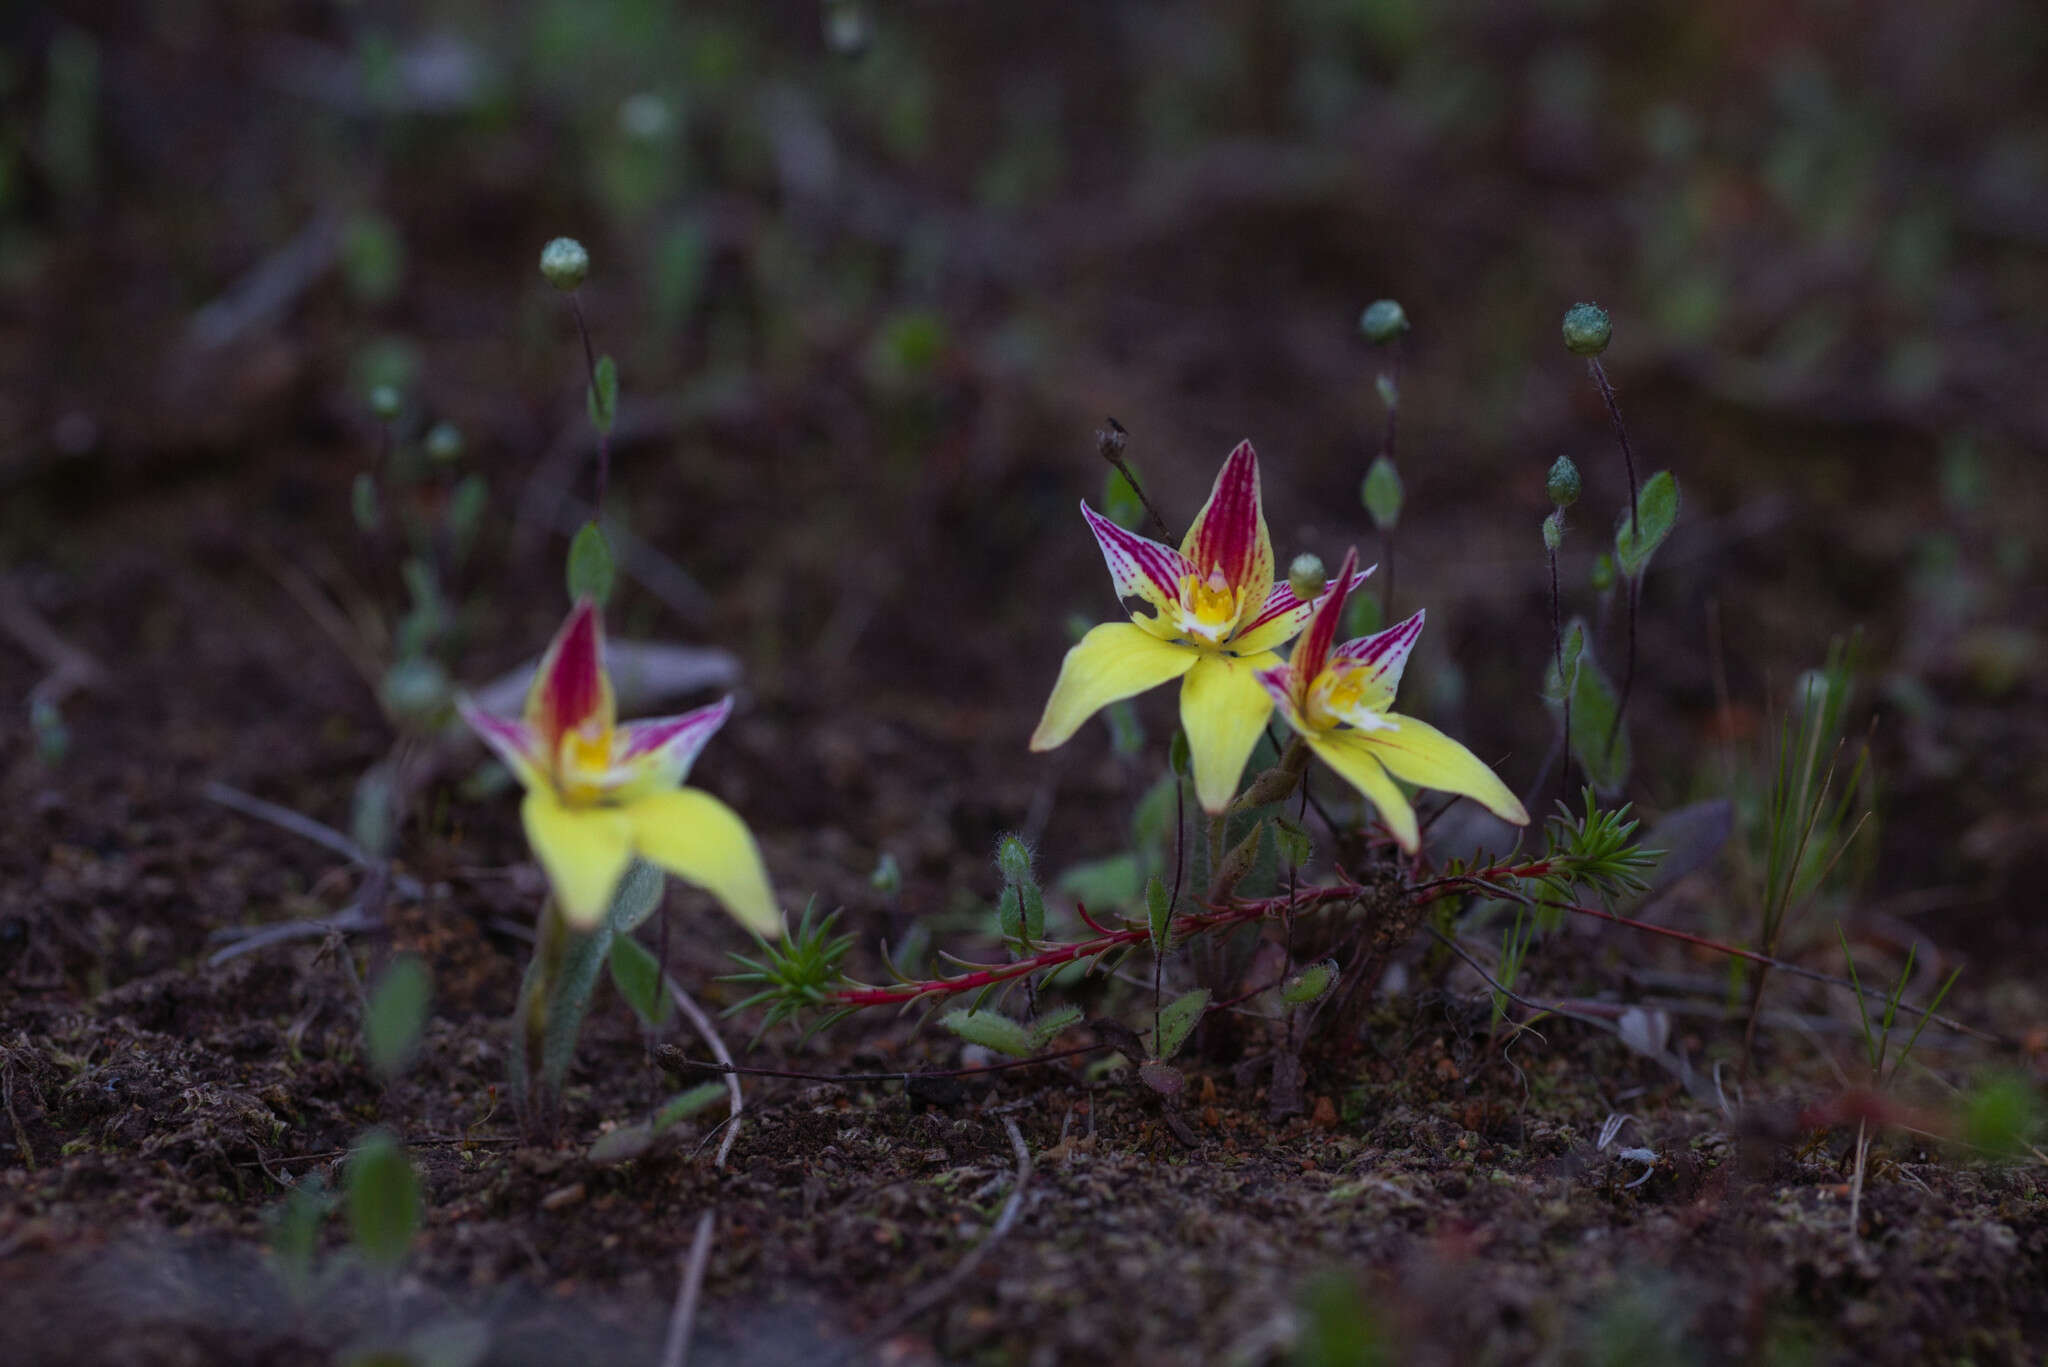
(1216,616)
(1336,697)
(598,794)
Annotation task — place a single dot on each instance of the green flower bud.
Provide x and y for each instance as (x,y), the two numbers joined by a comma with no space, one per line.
(416,690)
(887,878)
(1388,390)
(1553,531)
(385,402)
(1307,576)
(1013,859)
(1382,321)
(565,263)
(1563,483)
(1587,329)
(1381,494)
(444,443)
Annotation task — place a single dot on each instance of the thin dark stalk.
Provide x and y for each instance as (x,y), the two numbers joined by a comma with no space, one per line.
(1172,903)
(1387,445)
(604,439)
(1628,458)
(673,1059)
(1564,687)
(1110,442)
(1628,673)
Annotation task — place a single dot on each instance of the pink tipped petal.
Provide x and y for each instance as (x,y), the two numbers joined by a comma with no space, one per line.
(1229,534)
(1382,656)
(570,687)
(1312,651)
(1141,569)
(513,741)
(665,747)
(1283,615)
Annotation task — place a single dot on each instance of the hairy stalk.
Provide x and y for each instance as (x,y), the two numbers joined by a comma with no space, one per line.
(1628,460)
(1110,443)
(1387,445)
(1557,645)
(604,439)
(530,1020)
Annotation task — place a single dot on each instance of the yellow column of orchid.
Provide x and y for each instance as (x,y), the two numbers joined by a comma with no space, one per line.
(1216,616)
(598,793)
(1336,697)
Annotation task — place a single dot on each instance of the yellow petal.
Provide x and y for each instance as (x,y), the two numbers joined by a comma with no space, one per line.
(585,851)
(1347,753)
(1113,661)
(1223,708)
(1426,757)
(701,840)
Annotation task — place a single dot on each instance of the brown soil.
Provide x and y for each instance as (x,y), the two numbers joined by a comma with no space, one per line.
(895,570)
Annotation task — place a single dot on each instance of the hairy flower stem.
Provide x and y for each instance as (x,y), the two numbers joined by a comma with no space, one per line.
(1564,687)
(604,438)
(1628,461)
(530,1020)
(1110,442)
(1387,445)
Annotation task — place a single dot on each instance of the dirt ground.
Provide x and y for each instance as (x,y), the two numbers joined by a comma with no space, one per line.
(887,542)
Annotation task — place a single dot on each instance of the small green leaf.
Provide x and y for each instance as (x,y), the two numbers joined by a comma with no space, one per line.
(638,895)
(1165,1080)
(604,396)
(2002,1113)
(1381,494)
(568,1000)
(1657,509)
(638,978)
(1048,1027)
(990,1030)
(1120,501)
(1310,984)
(383,1200)
(1034,912)
(396,1015)
(1594,701)
(591,571)
(1159,911)
(1177,1021)
(466,514)
(685,1104)
(294,1228)
(1292,842)
(1010,913)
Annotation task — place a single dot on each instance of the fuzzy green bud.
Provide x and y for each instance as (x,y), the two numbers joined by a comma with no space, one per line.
(1553,531)
(1013,859)
(887,878)
(564,263)
(1307,576)
(1563,483)
(1382,321)
(444,443)
(1587,329)
(1381,494)
(385,402)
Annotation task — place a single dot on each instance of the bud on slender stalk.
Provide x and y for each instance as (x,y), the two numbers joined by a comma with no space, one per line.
(1563,483)
(1307,576)
(1382,321)
(564,263)
(1587,329)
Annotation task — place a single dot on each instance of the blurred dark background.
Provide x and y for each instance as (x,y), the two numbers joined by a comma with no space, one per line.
(874,273)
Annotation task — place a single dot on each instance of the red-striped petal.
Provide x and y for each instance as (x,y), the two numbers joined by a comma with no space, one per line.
(668,746)
(570,687)
(513,741)
(1140,568)
(1383,656)
(1283,615)
(1312,652)
(1230,532)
